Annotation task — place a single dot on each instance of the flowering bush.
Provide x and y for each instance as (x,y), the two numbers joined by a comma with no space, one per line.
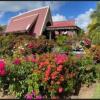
(86,42)
(61,58)
(16,61)
(2,68)
(48,75)
(35,72)
(96,54)
(40,46)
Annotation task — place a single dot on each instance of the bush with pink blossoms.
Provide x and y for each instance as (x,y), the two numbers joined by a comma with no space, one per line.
(17,61)
(2,68)
(48,75)
(61,58)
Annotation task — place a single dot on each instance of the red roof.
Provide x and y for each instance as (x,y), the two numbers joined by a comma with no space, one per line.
(63,24)
(25,20)
(22,24)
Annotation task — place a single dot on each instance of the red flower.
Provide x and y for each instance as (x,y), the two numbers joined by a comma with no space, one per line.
(46,62)
(2,68)
(59,68)
(41,64)
(30,45)
(47,73)
(54,75)
(17,61)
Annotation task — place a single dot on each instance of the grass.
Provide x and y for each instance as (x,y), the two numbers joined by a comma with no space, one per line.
(98,71)
(96,94)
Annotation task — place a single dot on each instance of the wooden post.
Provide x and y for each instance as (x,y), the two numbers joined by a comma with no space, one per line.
(59,32)
(50,35)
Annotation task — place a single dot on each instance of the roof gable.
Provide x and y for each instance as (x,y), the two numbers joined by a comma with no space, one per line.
(23,21)
(22,24)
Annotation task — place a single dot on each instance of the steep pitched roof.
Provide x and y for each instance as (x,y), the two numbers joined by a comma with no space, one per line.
(21,24)
(63,23)
(24,21)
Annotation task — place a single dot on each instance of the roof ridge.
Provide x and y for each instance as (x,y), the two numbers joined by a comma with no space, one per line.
(64,21)
(30,11)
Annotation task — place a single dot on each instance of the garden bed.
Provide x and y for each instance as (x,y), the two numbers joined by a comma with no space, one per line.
(30,69)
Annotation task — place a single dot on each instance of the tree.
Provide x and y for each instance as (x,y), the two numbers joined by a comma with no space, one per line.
(94,27)
(2,28)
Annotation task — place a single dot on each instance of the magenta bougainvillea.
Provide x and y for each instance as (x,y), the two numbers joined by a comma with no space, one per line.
(17,61)
(61,58)
(2,68)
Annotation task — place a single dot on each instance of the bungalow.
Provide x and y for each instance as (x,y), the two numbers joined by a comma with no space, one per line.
(39,22)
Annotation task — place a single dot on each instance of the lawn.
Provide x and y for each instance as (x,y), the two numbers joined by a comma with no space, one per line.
(97,88)
(96,94)
(98,70)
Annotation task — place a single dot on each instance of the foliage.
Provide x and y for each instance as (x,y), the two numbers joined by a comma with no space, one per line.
(94,27)
(48,75)
(34,71)
(96,53)
(6,44)
(87,70)
(23,45)
(86,42)
(2,28)
(63,44)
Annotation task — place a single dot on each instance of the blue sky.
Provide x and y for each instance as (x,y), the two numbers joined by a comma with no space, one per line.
(60,10)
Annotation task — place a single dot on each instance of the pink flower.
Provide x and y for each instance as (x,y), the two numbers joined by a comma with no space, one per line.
(17,61)
(2,68)
(78,56)
(38,97)
(29,96)
(60,90)
(87,41)
(61,58)
(33,93)
(2,73)
(33,60)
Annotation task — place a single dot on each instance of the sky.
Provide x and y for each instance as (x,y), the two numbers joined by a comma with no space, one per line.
(79,11)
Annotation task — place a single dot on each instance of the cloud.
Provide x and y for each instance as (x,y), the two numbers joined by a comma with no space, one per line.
(58,17)
(1,14)
(83,20)
(14,6)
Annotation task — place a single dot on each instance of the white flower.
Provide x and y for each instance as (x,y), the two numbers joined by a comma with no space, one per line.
(25,44)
